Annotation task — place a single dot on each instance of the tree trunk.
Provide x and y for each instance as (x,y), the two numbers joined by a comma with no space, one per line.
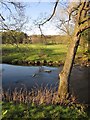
(63,89)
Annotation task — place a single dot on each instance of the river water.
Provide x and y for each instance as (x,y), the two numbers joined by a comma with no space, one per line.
(30,76)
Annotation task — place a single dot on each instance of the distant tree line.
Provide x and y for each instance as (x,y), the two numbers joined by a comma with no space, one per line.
(12,36)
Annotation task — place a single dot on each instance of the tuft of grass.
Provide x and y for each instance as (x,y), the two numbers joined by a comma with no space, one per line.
(36,96)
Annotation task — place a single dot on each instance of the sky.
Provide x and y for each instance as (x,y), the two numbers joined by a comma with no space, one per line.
(37,12)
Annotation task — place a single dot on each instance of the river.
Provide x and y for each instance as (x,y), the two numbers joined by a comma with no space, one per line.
(30,76)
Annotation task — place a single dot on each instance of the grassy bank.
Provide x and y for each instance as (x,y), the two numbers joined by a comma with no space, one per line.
(27,53)
(39,104)
(31,111)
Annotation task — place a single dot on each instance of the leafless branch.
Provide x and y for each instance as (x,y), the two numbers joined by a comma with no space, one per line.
(80,11)
(84,27)
(84,20)
(54,10)
(2,17)
(19,18)
(41,24)
(4,26)
(72,9)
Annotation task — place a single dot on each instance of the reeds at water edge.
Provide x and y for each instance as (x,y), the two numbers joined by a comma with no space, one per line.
(36,96)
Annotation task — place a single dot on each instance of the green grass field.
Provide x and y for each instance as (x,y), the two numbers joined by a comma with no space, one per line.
(35,52)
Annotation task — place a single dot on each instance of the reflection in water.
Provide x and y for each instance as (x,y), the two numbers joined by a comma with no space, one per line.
(15,76)
(31,76)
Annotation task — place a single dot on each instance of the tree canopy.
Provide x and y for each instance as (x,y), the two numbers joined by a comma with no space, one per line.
(12,36)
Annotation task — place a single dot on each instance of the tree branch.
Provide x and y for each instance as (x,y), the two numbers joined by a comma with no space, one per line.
(80,10)
(84,27)
(2,17)
(18,19)
(72,10)
(4,25)
(54,10)
(84,20)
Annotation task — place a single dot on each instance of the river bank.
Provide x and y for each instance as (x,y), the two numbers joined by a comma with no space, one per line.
(39,54)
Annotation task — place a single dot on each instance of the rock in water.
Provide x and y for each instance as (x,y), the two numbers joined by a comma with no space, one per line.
(48,71)
(34,75)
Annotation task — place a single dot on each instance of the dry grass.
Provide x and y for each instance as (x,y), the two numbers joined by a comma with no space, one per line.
(36,96)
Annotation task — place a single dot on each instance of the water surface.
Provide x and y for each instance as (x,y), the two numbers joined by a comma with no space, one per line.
(29,76)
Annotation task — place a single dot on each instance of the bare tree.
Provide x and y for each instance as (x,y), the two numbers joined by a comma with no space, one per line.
(78,12)
(12,16)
